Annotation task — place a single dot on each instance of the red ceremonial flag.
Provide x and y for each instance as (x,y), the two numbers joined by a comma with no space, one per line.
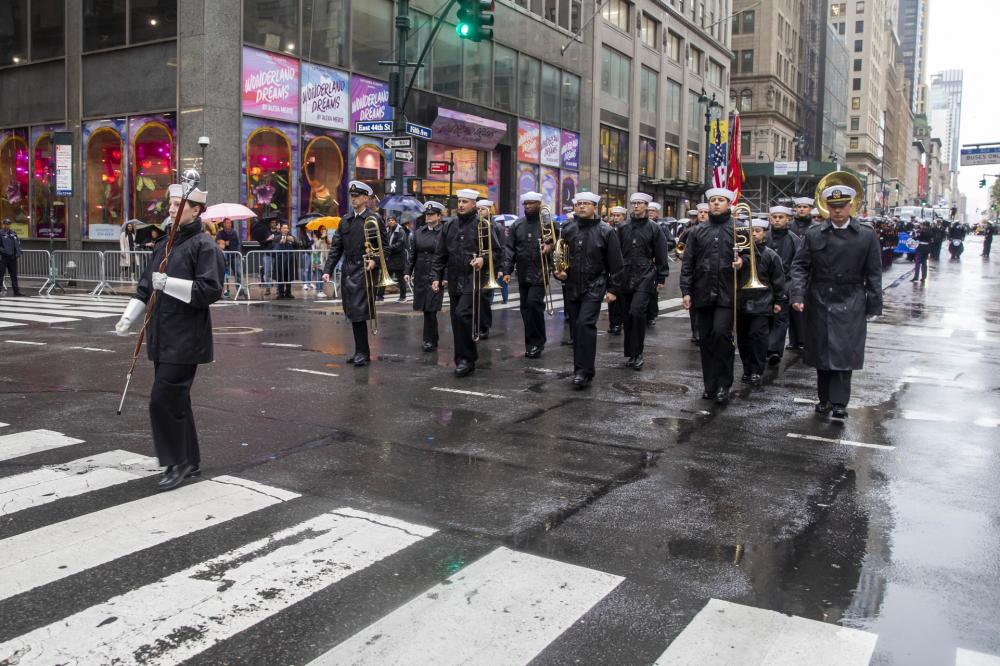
(735,176)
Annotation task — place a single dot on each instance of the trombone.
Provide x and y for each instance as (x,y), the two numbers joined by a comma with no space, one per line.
(743,240)
(373,252)
(484,235)
(548,237)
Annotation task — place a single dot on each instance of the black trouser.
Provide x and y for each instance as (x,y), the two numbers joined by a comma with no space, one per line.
(283,273)
(635,312)
(615,314)
(779,330)
(532,306)
(693,316)
(796,328)
(834,386)
(987,245)
(397,275)
(461,326)
(431,328)
(920,264)
(174,433)
(715,328)
(583,325)
(653,308)
(360,330)
(9,263)
(752,332)
(485,309)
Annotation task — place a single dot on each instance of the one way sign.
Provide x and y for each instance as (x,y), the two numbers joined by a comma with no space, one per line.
(403,155)
(404,142)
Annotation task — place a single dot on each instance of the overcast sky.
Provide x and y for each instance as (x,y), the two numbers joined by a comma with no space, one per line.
(962,35)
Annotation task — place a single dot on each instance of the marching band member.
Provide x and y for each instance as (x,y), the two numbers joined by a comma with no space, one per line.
(484,207)
(419,265)
(757,307)
(803,215)
(594,274)
(349,242)
(615,323)
(524,253)
(785,244)
(837,284)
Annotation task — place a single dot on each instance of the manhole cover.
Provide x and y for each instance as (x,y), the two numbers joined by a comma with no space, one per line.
(236,330)
(657,388)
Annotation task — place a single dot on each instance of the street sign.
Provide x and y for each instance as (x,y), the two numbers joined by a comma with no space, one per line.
(438,167)
(402,155)
(64,163)
(419,131)
(373,127)
(975,155)
(404,142)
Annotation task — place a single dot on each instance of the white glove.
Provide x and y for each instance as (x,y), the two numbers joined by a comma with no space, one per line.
(179,288)
(133,311)
(159,281)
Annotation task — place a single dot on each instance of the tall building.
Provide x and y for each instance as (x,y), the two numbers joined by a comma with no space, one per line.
(944,110)
(913,31)
(835,76)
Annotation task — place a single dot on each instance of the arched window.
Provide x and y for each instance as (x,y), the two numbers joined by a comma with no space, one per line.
(746,101)
(14,182)
(41,197)
(269,159)
(369,167)
(104,177)
(323,169)
(152,162)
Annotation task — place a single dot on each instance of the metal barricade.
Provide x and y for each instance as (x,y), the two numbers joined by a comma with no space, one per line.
(70,267)
(235,274)
(268,269)
(123,269)
(32,265)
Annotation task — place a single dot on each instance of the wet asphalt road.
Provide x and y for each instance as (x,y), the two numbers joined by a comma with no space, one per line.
(760,502)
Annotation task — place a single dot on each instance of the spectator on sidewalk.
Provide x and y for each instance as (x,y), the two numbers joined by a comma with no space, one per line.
(228,240)
(317,258)
(10,250)
(284,260)
(126,243)
(263,231)
(395,257)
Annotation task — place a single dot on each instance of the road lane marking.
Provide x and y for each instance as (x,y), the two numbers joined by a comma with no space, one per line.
(845,442)
(32,441)
(461,392)
(965,657)
(51,553)
(55,482)
(219,598)
(503,609)
(8,324)
(24,316)
(313,372)
(982,421)
(53,304)
(725,633)
(278,344)
(804,401)
(86,313)
(25,342)
(92,349)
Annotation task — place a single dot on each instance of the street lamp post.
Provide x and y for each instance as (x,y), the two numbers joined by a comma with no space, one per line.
(712,111)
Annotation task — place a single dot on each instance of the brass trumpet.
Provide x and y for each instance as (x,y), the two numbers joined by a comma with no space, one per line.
(679,249)
(743,240)
(484,232)
(548,236)
(373,252)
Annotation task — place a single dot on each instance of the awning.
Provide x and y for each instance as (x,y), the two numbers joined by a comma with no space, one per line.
(465,130)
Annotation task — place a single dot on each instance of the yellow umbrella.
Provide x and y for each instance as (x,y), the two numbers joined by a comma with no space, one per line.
(328,222)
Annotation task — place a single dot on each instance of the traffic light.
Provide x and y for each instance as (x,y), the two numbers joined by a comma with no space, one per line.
(982,182)
(475,18)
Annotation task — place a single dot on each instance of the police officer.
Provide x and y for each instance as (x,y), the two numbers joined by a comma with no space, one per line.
(419,266)
(594,274)
(457,256)
(837,283)
(349,242)
(523,252)
(758,307)
(10,250)
(644,253)
(707,285)
(179,334)
(803,215)
(615,323)
(785,244)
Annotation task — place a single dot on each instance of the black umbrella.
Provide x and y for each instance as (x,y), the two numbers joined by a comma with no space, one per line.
(144,232)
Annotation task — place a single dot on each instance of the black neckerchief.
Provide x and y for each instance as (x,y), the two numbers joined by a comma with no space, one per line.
(720,219)
(779,233)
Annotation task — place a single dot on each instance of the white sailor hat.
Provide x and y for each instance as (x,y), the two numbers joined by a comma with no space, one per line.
(803,201)
(839,195)
(357,187)
(484,203)
(720,192)
(782,210)
(655,206)
(692,213)
(814,212)
(531,196)
(760,224)
(640,197)
(619,210)
(433,207)
(702,207)
(176,191)
(590,197)
(467,194)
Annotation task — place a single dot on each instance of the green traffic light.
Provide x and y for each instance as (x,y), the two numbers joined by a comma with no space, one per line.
(463,29)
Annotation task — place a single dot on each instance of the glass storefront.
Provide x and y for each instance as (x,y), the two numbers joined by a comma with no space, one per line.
(103,152)
(152,152)
(268,158)
(14,180)
(323,165)
(48,214)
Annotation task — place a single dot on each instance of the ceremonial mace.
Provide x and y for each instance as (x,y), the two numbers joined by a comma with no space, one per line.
(189,181)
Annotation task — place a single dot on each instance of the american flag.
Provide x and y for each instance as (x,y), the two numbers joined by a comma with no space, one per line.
(718,156)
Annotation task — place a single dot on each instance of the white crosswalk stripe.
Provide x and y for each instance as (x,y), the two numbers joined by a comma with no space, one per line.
(20,444)
(66,308)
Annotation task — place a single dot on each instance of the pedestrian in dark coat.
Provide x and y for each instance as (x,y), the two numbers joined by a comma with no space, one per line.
(594,275)
(785,244)
(10,250)
(458,257)
(644,254)
(988,232)
(523,253)
(395,256)
(349,242)
(756,308)
(837,283)
(419,270)
(179,335)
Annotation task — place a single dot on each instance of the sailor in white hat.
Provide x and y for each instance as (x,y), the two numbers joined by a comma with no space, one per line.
(757,307)
(486,208)
(528,255)
(617,215)
(837,284)
(785,244)
(615,318)
(179,334)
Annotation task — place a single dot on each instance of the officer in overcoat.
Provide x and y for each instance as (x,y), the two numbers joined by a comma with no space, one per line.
(349,242)
(419,267)
(837,284)
(179,334)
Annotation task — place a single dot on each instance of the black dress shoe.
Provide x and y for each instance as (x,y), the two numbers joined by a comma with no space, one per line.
(430,346)
(615,330)
(707,395)
(839,412)
(629,361)
(360,360)
(722,396)
(174,476)
(464,368)
(755,380)
(745,378)
(195,471)
(791,347)
(822,408)
(773,359)
(533,352)
(637,362)
(651,323)
(580,380)
(484,334)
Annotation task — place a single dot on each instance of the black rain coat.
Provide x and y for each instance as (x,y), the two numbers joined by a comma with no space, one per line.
(419,266)
(349,242)
(595,260)
(644,254)
(522,252)
(458,245)
(707,268)
(770,272)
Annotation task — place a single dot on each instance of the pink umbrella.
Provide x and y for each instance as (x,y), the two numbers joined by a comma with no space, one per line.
(232,211)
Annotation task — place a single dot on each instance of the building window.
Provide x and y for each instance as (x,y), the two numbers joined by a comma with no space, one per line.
(746,101)
(616,12)
(694,116)
(855,103)
(673,46)
(748,22)
(649,30)
(648,92)
(14,181)
(103,24)
(855,123)
(714,73)
(855,84)
(446,71)
(671,161)
(273,24)
(745,147)
(103,154)
(479,75)
(550,11)
(150,20)
(269,157)
(838,9)
(370,41)
(693,167)
(576,9)
(860,7)
(694,60)
(841,27)
(673,101)
(746,61)
(854,142)
(647,157)
(570,100)
(47,38)
(550,94)
(616,72)
(323,40)
(152,169)
(42,209)
(322,170)
(858,46)
(529,74)
(613,166)
(859,27)
(504,77)
(857,64)
(564,14)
